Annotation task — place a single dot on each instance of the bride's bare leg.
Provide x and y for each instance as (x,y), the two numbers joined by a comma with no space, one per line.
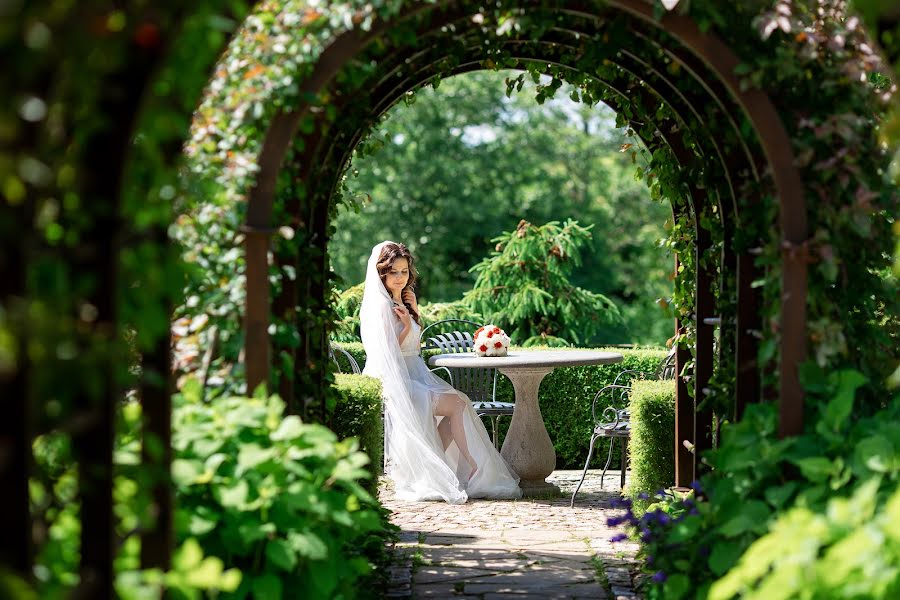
(445,433)
(451,407)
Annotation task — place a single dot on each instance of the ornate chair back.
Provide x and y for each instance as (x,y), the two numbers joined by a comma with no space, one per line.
(338,354)
(479,384)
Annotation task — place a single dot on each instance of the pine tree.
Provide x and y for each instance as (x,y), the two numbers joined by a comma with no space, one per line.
(524,287)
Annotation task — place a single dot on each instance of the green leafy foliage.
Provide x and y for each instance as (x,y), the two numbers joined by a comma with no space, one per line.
(55,506)
(358,414)
(280,499)
(652,447)
(851,549)
(812,497)
(524,287)
(264,503)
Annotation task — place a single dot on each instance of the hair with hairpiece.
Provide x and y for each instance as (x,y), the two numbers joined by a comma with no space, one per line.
(390,253)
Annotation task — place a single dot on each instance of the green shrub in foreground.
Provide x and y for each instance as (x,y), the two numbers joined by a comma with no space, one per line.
(652,446)
(810,516)
(275,497)
(55,520)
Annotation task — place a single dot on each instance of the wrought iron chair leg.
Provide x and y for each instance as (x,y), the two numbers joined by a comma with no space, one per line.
(494,431)
(584,472)
(624,459)
(612,445)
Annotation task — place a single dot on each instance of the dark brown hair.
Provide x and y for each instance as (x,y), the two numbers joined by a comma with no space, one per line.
(389,253)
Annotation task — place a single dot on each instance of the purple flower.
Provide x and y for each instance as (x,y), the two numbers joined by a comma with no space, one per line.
(619,537)
(616,521)
(659,577)
(643,496)
(695,485)
(649,560)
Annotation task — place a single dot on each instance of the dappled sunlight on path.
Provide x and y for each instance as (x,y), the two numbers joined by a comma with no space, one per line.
(524,548)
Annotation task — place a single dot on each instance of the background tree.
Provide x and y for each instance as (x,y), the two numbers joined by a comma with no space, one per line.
(461,164)
(524,287)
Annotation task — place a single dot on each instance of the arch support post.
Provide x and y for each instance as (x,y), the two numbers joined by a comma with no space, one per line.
(793,338)
(256,317)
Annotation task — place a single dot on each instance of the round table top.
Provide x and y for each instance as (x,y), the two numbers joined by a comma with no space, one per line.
(527,358)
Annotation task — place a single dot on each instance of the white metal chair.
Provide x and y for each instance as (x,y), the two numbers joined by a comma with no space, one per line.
(615,423)
(479,384)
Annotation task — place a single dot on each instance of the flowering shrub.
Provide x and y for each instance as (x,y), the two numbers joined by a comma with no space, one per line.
(490,340)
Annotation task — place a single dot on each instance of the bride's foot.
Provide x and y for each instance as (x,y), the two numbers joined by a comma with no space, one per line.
(474,466)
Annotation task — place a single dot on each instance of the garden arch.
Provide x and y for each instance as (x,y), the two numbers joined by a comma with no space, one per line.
(448,38)
(691,72)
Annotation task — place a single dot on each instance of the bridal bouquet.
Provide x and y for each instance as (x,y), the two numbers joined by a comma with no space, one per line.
(490,340)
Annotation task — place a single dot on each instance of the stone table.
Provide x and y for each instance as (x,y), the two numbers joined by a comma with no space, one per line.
(527,447)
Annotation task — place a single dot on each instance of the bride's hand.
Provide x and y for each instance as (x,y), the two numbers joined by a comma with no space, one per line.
(409,297)
(403,314)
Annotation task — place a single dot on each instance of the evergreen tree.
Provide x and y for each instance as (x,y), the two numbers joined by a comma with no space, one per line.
(525,287)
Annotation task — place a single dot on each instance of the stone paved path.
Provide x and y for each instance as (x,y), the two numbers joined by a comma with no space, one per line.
(529,548)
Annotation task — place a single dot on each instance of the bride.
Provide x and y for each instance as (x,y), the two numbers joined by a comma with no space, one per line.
(437,447)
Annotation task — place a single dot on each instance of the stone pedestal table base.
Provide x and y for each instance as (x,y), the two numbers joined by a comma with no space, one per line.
(527,446)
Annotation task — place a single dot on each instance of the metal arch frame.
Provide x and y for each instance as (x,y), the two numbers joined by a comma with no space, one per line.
(713,53)
(396,89)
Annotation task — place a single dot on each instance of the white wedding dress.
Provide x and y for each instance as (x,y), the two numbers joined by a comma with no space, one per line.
(416,461)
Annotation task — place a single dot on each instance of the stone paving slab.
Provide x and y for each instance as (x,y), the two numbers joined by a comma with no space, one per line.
(528,548)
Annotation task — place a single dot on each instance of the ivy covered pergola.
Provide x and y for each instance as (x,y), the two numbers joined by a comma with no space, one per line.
(675,86)
(740,164)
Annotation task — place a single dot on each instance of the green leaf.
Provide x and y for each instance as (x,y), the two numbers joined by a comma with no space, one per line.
(185,472)
(877,454)
(291,427)
(207,574)
(267,586)
(188,556)
(777,496)
(252,531)
(753,516)
(723,556)
(816,468)
(251,456)
(839,408)
(234,496)
(198,525)
(676,586)
(308,544)
(281,554)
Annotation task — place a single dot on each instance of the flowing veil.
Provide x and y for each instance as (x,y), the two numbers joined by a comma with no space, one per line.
(415,457)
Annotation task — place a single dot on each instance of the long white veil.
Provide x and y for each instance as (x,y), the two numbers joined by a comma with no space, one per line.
(414,454)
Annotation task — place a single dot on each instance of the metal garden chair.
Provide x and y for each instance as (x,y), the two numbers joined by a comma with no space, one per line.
(615,423)
(479,384)
(334,351)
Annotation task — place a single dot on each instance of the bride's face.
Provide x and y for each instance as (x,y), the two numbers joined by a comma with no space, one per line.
(396,279)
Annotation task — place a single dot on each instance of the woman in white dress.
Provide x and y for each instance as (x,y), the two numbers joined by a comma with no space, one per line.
(437,447)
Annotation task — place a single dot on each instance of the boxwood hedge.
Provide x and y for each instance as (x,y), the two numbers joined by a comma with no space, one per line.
(651,446)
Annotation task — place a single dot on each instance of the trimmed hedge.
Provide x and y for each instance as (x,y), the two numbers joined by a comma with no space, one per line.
(651,447)
(358,414)
(566,396)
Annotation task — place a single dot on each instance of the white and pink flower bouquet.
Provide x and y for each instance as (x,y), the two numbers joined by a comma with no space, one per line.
(490,340)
